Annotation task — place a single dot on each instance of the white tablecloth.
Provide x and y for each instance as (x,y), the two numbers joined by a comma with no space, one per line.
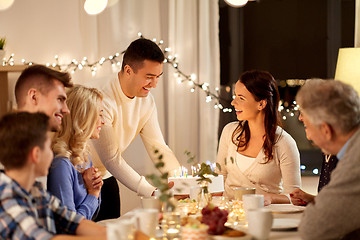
(285,234)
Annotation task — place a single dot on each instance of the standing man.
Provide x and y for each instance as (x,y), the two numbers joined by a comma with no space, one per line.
(129,110)
(330,111)
(41,89)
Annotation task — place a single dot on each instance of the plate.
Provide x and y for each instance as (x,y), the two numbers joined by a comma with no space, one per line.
(285,223)
(221,237)
(285,208)
(224,237)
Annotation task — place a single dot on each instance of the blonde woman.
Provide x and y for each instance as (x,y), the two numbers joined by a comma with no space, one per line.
(72,178)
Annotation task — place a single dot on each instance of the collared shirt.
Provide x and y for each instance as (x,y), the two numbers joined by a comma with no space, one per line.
(341,153)
(34,215)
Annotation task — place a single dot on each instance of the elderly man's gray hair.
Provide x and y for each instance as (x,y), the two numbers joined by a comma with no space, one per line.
(330,101)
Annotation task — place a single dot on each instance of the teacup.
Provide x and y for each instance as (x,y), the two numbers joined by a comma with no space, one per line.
(146,220)
(253,201)
(260,222)
(122,229)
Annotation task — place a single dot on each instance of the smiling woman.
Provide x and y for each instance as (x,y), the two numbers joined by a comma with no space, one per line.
(262,154)
(71,177)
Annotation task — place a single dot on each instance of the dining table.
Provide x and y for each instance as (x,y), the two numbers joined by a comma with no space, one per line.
(286,218)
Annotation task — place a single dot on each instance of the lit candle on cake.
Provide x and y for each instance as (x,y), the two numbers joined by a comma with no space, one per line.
(183,181)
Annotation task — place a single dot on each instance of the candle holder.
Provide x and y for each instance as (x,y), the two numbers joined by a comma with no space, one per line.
(236,215)
(204,197)
(171,225)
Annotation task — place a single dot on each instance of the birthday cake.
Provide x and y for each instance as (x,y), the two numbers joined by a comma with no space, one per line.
(182,185)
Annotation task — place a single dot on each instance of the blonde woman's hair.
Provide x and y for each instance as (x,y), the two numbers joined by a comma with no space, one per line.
(78,125)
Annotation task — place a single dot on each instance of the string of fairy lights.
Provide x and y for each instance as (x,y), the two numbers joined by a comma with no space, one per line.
(181,77)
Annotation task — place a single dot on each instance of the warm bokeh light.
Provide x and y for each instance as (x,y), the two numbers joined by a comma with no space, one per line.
(5,4)
(236,3)
(347,68)
(94,7)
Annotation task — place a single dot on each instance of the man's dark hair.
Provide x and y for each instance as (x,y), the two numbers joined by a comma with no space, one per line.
(19,133)
(41,78)
(140,50)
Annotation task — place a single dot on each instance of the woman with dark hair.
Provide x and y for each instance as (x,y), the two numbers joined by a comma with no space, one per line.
(255,151)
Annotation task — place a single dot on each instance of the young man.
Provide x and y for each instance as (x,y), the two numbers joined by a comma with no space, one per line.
(129,110)
(330,111)
(27,211)
(41,89)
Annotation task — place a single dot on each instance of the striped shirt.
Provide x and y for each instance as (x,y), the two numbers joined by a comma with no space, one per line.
(34,215)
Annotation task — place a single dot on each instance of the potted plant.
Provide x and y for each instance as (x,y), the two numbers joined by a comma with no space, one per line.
(2,45)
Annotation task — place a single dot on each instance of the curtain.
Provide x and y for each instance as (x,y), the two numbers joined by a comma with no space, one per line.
(193,33)
(38,30)
(190,29)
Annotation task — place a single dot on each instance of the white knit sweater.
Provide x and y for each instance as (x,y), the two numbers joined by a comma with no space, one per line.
(280,176)
(124,119)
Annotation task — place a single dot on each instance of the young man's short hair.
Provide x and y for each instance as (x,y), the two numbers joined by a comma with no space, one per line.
(19,133)
(140,50)
(41,78)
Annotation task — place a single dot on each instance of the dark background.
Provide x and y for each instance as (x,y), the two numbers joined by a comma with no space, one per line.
(292,39)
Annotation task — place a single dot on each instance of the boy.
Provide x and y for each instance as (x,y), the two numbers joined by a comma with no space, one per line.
(27,211)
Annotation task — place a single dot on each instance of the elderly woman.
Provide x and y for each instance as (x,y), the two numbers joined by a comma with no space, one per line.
(255,151)
(72,178)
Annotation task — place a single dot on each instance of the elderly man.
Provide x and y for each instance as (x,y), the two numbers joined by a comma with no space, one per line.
(330,111)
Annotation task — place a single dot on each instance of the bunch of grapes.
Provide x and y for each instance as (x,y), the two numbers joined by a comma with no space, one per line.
(215,218)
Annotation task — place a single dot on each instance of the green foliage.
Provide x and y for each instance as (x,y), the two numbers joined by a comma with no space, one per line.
(161,182)
(203,171)
(191,159)
(218,166)
(2,42)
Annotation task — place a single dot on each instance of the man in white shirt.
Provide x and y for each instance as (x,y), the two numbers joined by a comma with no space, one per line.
(129,110)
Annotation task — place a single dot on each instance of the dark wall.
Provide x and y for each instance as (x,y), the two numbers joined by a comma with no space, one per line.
(292,39)
(286,37)
(289,38)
